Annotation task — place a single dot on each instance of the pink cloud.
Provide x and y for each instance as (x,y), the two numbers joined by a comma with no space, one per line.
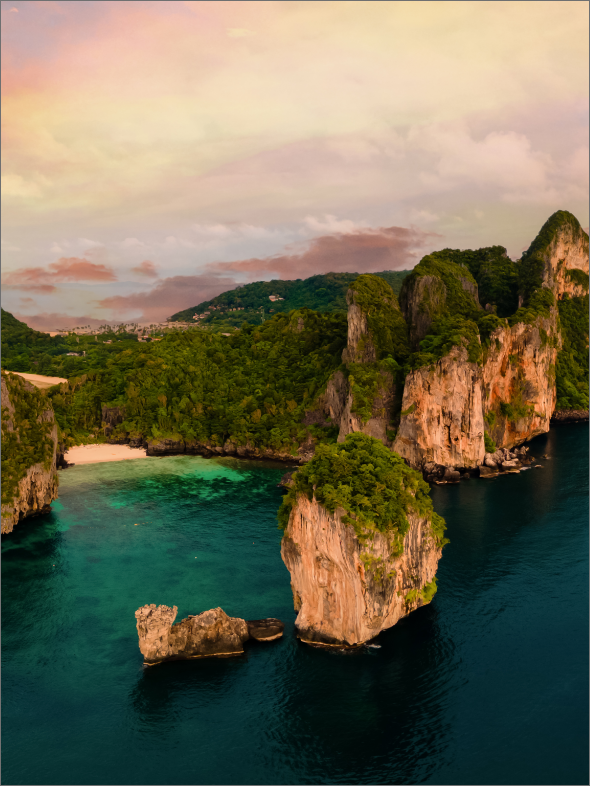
(363,251)
(168,296)
(55,321)
(65,270)
(146,268)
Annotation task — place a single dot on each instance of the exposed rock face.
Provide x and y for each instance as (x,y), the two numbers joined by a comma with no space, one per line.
(519,380)
(419,300)
(360,347)
(569,416)
(36,490)
(442,414)
(346,592)
(382,405)
(209,634)
(567,251)
(165,447)
(206,635)
(265,630)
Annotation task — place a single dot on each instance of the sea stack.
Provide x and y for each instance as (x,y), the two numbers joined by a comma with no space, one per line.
(361,541)
(210,634)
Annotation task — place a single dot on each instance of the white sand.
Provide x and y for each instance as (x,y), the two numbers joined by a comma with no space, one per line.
(38,380)
(92,454)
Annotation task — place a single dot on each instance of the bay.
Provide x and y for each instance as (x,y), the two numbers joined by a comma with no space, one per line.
(487,684)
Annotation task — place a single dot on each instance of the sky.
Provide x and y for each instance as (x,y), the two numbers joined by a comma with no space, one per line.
(155,154)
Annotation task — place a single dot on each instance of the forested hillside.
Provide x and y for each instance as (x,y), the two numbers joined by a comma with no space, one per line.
(320,293)
(263,384)
(252,386)
(28,350)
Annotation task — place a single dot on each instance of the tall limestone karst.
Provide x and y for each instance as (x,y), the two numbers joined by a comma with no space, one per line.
(29,443)
(361,541)
(365,397)
(478,378)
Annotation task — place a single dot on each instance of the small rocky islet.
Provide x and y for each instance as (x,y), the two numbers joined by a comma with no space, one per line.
(436,387)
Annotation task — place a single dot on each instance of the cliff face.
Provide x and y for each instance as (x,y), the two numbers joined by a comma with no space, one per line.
(381,409)
(519,380)
(566,252)
(29,437)
(345,591)
(364,399)
(442,414)
(360,347)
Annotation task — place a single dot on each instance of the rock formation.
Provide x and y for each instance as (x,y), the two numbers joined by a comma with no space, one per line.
(29,444)
(364,399)
(519,380)
(508,396)
(355,571)
(442,414)
(345,591)
(210,634)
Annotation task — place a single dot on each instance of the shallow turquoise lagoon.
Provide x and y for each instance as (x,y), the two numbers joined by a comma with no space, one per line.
(488,684)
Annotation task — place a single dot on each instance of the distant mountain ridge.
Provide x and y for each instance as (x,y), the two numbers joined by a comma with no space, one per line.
(324,293)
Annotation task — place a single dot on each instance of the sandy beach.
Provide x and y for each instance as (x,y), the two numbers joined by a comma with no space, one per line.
(38,380)
(93,454)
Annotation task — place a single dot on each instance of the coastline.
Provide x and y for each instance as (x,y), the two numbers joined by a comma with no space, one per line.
(95,454)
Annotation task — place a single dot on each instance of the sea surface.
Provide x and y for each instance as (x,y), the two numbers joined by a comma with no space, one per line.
(486,685)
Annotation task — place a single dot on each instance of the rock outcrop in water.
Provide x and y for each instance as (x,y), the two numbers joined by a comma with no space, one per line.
(345,591)
(29,444)
(206,635)
(355,571)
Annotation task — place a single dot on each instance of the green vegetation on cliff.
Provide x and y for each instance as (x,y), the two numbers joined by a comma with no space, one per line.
(372,484)
(532,263)
(388,333)
(29,440)
(572,360)
(388,328)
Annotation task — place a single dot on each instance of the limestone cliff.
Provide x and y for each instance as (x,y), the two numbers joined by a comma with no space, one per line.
(557,259)
(519,380)
(365,398)
(361,542)
(210,634)
(29,443)
(442,414)
(458,396)
(346,591)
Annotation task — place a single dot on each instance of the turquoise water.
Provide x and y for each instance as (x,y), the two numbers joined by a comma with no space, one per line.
(488,684)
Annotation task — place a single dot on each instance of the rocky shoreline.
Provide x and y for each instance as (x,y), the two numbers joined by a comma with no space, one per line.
(569,416)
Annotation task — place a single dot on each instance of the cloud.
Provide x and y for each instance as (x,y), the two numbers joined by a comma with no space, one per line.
(56,321)
(239,32)
(14,11)
(65,270)
(6,246)
(132,242)
(332,225)
(361,251)
(168,296)
(146,268)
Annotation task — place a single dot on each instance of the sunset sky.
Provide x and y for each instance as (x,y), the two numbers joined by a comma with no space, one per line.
(158,153)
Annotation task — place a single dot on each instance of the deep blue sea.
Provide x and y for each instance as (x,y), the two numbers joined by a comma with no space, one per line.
(487,685)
